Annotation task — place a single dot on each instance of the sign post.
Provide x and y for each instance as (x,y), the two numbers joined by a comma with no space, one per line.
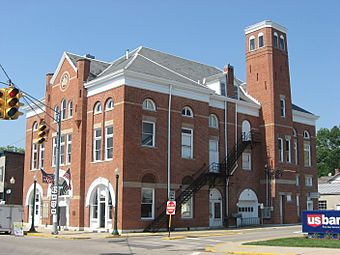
(170,210)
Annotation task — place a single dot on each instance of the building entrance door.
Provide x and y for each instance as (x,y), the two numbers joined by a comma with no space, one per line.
(215,208)
(62,216)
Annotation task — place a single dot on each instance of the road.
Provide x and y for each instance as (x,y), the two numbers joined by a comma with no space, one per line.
(188,244)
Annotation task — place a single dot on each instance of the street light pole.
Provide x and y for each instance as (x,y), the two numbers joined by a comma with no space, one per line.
(115,228)
(32,229)
(12,182)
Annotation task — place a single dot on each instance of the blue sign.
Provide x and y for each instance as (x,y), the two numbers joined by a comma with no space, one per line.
(326,222)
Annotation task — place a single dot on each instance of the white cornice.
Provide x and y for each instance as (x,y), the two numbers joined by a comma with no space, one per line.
(65,56)
(265,23)
(304,118)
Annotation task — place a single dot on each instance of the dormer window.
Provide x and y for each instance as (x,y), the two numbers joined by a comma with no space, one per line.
(187,112)
(260,37)
(282,42)
(252,43)
(276,40)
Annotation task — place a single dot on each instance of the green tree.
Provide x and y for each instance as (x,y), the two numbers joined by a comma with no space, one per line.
(12,148)
(328,150)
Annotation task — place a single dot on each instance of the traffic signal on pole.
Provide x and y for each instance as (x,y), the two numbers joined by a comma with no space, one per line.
(42,133)
(13,103)
(3,94)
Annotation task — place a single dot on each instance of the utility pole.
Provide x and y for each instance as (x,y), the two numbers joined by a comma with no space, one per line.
(56,175)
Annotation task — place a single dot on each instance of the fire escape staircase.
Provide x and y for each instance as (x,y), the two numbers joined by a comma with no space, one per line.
(204,175)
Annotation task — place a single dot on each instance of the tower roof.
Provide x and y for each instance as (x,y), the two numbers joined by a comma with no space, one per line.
(265,23)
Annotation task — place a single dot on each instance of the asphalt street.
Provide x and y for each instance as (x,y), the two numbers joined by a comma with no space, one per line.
(188,244)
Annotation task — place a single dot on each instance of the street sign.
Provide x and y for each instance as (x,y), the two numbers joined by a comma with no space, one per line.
(172,195)
(171,207)
(54,192)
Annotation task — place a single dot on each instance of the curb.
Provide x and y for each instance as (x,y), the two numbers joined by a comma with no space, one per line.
(257,253)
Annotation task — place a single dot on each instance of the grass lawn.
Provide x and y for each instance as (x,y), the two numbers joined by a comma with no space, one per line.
(299,242)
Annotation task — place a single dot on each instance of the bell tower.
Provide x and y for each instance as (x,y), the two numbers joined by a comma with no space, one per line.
(268,81)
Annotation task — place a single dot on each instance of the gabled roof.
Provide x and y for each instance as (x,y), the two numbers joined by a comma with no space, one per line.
(152,62)
(96,66)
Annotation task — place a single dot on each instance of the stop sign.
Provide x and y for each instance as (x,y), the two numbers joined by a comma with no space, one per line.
(170,207)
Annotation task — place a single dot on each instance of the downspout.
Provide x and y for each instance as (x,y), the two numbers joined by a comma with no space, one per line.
(169,133)
(226,155)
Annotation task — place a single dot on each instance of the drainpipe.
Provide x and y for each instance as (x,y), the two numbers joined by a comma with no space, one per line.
(169,133)
(226,154)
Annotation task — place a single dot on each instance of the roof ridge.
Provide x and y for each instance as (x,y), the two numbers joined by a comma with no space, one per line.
(186,59)
(92,59)
(170,70)
(134,57)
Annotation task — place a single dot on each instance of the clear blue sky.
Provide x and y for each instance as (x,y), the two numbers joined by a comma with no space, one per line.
(34,34)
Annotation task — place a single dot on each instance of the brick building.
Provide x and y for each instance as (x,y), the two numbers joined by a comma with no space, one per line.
(227,148)
(11,166)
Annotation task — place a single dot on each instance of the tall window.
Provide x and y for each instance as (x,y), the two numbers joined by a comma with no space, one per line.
(246,161)
(41,155)
(148,133)
(222,88)
(109,142)
(288,151)
(261,44)
(275,40)
(307,158)
(70,109)
(308,181)
(187,209)
(147,203)
(97,141)
(187,143)
(69,149)
(34,156)
(54,151)
(213,121)
(280,143)
(149,105)
(63,109)
(55,113)
(35,126)
(187,112)
(62,149)
(252,42)
(298,204)
(282,42)
(283,106)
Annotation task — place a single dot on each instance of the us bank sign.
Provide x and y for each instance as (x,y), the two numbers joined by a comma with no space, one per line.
(321,222)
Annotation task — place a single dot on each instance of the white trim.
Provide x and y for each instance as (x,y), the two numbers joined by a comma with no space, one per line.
(304,118)
(94,184)
(263,24)
(56,72)
(38,187)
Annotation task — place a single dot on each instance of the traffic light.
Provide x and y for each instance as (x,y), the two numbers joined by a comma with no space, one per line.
(42,133)
(3,93)
(13,103)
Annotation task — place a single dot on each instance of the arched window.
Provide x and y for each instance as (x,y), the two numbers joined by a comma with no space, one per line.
(70,109)
(260,38)
(213,121)
(56,112)
(97,108)
(109,104)
(282,42)
(246,135)
(252,42)
(35,126)
(294,132)
(306,135)
(63,109)
(187,112)
(276,40)
(149,105)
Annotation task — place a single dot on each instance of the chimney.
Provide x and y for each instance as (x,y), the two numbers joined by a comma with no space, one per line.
(229,70)
(127,54)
